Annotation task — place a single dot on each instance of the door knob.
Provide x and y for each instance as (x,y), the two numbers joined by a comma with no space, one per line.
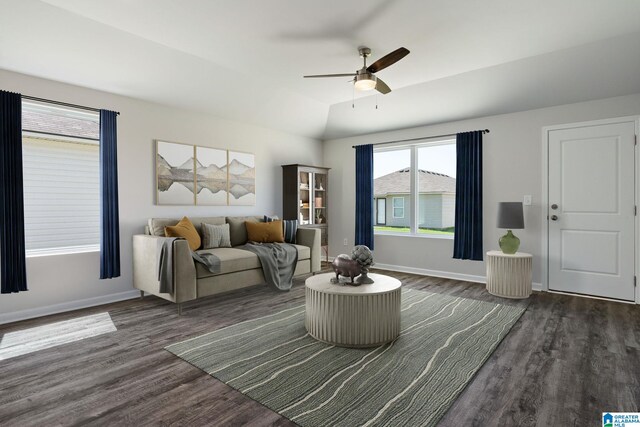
(554,206)
(554,217)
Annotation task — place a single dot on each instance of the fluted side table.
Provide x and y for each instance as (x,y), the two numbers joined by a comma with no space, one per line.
(353,316)
(509,275)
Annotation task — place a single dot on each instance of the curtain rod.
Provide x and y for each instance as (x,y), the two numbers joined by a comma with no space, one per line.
(417,139)
(65,104)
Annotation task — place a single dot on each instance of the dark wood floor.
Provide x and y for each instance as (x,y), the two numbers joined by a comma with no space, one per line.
(566,361)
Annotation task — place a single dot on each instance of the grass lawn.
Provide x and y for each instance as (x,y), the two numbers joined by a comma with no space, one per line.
(445,231)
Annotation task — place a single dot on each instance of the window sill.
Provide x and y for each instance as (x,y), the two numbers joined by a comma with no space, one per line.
(419,236)
(34,253)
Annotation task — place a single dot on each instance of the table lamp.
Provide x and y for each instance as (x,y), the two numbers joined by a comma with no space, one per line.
(510,216)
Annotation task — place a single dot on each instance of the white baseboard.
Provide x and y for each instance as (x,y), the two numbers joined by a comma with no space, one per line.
(67,306)
(438,273)
(432,273)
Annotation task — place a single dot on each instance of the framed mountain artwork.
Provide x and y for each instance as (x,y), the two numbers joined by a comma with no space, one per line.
(175,178)
(211,176)
(241,168)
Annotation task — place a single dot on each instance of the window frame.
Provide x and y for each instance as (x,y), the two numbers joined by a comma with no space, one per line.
(394,207)
(34,134)
(414,196)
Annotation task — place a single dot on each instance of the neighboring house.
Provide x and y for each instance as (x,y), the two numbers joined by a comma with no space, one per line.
(436,204)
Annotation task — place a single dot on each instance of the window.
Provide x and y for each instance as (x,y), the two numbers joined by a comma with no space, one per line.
(391,185)
(422,200)
(398,207)
(60,149)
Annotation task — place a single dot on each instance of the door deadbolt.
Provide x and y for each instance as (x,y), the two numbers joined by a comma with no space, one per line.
(554,206)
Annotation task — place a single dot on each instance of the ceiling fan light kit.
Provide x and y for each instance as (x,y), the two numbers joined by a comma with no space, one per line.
(365,81)
(365,78)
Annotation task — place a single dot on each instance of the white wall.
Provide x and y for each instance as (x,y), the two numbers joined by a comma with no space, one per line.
(512,167)
(63,282)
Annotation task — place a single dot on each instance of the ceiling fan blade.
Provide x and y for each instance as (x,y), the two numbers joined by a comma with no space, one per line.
(388,60)
(330,75)
(382,87)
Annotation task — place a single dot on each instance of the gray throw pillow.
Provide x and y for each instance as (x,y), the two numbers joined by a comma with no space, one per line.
(215,236)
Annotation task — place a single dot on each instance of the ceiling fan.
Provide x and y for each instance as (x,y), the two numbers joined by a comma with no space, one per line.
(365,78)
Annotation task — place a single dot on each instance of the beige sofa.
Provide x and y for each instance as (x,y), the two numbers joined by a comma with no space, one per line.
(238,268)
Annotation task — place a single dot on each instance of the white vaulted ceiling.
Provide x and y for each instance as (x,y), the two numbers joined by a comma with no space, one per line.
(244,59)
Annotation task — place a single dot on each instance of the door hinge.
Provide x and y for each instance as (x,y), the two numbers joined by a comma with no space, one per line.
(635,281)
(635,210)
(635,139)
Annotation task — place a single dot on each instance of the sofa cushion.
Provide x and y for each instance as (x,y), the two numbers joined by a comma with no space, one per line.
(304,252)
(238,230)
(265,232)
(215,236)
(157,225)
(185,229)
(233,260)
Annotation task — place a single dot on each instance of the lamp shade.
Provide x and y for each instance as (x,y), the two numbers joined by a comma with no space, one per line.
(510,215)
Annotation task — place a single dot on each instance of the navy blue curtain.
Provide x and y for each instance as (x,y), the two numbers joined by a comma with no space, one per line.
(13,270)
(109,218)
(467,242)
(364,195)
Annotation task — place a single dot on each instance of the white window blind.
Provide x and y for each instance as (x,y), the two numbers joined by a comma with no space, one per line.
(61,182)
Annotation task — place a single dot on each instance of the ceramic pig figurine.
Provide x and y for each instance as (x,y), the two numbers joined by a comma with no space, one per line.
(343,265)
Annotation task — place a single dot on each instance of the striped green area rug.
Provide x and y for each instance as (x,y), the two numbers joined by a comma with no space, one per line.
(409,382)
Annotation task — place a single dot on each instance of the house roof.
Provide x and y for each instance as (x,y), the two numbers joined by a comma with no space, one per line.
(399,182)
(59,124)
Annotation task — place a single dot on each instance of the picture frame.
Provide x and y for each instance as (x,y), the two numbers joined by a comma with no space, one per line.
(212,178)
(189,174)
(175,173)
(241,167)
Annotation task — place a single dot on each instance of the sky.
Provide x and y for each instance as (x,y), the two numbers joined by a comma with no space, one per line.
(435,158)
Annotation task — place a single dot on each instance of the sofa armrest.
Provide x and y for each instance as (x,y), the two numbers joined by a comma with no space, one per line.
(145,269)
(311,237)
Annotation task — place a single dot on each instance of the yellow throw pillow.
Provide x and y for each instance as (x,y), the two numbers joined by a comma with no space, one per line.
(265,232)
(185,229)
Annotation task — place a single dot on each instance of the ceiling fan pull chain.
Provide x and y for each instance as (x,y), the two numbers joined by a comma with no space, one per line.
(376,101)
(353,97)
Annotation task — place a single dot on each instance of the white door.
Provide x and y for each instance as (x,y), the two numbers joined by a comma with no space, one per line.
(591,210)
(381,209)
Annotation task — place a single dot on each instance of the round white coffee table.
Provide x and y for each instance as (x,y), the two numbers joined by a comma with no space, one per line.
(353,316)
